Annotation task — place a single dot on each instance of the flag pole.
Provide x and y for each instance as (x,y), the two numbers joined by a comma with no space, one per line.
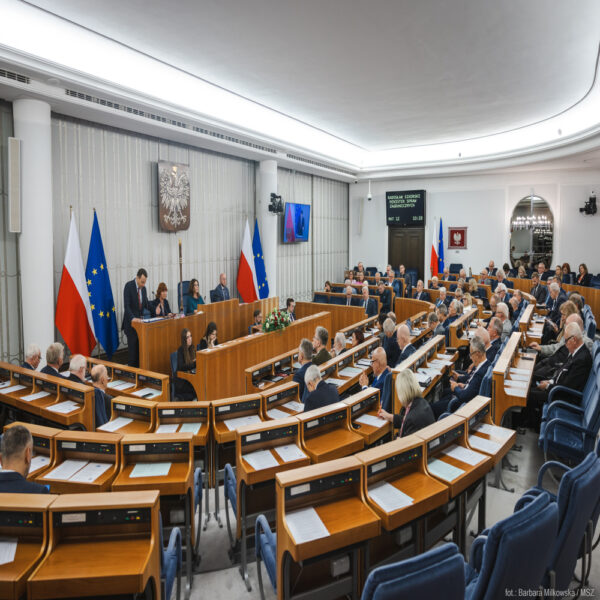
(180,279)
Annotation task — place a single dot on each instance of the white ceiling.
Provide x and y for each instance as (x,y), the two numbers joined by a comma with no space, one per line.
(380,74)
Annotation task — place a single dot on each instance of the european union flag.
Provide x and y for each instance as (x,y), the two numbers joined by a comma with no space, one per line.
(441,249)
(100,293)
(259,264)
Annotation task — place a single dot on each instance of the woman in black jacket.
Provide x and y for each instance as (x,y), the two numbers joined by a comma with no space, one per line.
(584,278)
(186,361)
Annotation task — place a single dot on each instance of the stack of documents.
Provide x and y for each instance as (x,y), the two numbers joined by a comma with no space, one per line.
(423,378)
(193,428)
(336,382)
(295,406)
(158,469)
(371,420)
(289,452)
(261,459)
(430,372)
(167,428)
(443,470)
(484,445)
(350,372)
(464,455)
(146,393)
(388,497)
(439,363)
(275,413)
(233,424)
(364,362)
(36,396)
(516,388)
(115,424)
(534,333)
(64,407)
(12,388)
(39,461)
(80,471)
(444,356)
(305,525)
(498,433)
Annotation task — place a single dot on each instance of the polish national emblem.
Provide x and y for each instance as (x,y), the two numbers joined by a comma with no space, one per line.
(173,196)
(457,238)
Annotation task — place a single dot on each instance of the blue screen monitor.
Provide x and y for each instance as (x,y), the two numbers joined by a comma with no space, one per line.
(296,223)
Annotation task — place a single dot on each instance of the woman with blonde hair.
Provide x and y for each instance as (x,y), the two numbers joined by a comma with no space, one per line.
(415,411)
(467,300)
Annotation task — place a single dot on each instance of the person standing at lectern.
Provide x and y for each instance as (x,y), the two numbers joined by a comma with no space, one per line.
(135,301)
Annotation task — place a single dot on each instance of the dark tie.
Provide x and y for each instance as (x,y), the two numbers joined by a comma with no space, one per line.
(140,299)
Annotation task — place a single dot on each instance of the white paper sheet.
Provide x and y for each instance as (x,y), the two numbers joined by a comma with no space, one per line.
(484,445)
(66,470)
(36,396)
(191,428)
(297,365)
(517,384)
(275,413)
(429,371)
(364,362)
(150,392)
(519,377)
(4,384)
(115,383)
(438,362)
(37,462)
(464,455)
(515,391)
(388,497)
(293,405)
(167,428)
(124,385)
(8,549)
(233,424)
(500,433)
(519,371)
(444,356)
(158,469)
(350,372)
(371,420)
(13,388)
(90,472)
(335,381)
(423,378)
(261,459)
(443,470)
(64,407)
(115,424)
(305,525)
(289,452)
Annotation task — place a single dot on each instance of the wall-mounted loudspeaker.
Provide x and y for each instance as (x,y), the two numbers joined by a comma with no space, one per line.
(14,185)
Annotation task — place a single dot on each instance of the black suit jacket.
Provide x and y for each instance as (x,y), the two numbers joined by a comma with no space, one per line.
(48,370)
(554,308)
(132,306)
(404,354)
(392,350)
(221,292)
(422,296)
(12,482)
(371,309)
(539,292)
(386,300)
(586,280)
(420,415)
(299,378)
(26,365)
(472,388)
(493,350)
(154,303)
(575,371)
(323,395)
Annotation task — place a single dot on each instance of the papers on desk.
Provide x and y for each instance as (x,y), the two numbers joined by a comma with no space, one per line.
(147,393)
(484,445)
(13,388)
(289,452)
(122,385)
(423,378)
(519,377)
(190,428)
(64,407)
(115,424)
(438,362)
(500,433)
(167,428)
(261,459)
(517,384)
(152,319)
(295,406)
(443,470)
(430,372)
(275,413)
(90,472)
(364,362)
(513,390)
(371,420)
(465,455)
(37,462)
(36,396)
(4,384)
(514,370)
(350,372)
(158,469)
(115,383)
(389,498)
(534,334)
(297,365)
(8,549)
(233,424)
(305,525)
(445,357)
(336,382)
(66,470)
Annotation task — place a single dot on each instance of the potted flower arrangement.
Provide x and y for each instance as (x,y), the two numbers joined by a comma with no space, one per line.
(276,320)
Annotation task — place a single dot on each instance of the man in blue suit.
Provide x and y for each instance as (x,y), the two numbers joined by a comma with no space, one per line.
(135,302)
(443,298)
(32,357)
(305,354)
(406,348)
(320,393)
(396,285)
(390,342)
(381,371)
(17,452)
(369,305)
(221,292)
(420,294)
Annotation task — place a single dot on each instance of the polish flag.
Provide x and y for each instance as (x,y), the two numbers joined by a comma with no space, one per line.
(246,277)
(434,256)
(73,315)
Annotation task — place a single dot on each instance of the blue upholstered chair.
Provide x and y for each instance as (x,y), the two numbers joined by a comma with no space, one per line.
(170,561)
(173,359)
(320,297)
(182,286)
(438,573)
(197,512)
(514,553)
(266,551)
(230,491)
(455,268)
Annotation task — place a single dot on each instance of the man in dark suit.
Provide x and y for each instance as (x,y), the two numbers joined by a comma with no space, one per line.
(385,297)
(349,291)
(305,352)
(33,356)
(443,298)
(319,342)
(543,273)
(403,337)
(290,306)
(369,305)
(102,404)
(420,294)
(494,330)
(396,285)
(320,393)
(381,370)
(554,302)
(55,355)
(77,367)
(492,269)
(390,342)
(538,291)
(221,292)
(135,302)
(17,452)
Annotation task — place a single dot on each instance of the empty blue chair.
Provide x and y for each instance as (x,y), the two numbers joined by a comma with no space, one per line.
(170,561)
(266,551)
(320,297)
(438,573)
(197,511)
(371,271)
(173,358)
(182,286)
(514,553)
(455,268)
(230,491)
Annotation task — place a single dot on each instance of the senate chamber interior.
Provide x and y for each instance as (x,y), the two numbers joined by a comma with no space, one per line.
(299,300)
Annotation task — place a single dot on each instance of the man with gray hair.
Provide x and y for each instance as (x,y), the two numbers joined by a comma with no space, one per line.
(77,368)
(554,302)
(502,314)
(339,343)
(494,330)
(55,355)
(320,339)
(349,291)
(390,343)
(17,452)
(443,299)
(369,305)
(305,353)
(406,348)
(433,321)
(502,293)
(320,393)
(103,404)
(33,356)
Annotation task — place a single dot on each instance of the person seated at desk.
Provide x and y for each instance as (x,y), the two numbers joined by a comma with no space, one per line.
(320,354)
(290,307)
(349,291)
(502,293)
(194,299)
(17,451)
(494,330)
(55,355)
(221,292)
(210,337)
(443,298)
(584,278)
(257,323)
(503,314)
(360,279)
(159,307)
(420,294)
(385,297)
(102,399)
(186,361)
(433,322)
(513,309)
(358,337)
(360,268)
(492,270)
(484,277)
(381,370)
(320,393)
(518,294)
(406,348)
(305,353)
(390,342)
(377,278)
(328,287)
(396,285)
(521,272)
(368,304)
(339,343)
(467,300)
(415,412)
(77,368)
(33,356)
(538,291)
(435,283)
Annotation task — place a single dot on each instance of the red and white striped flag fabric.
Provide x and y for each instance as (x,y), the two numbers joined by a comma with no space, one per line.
(73,314)
(246,277)
(434,255)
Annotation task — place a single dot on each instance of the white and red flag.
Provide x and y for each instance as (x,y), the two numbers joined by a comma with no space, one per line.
(246,277)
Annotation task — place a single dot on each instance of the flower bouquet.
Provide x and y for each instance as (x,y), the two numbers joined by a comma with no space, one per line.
(275,320)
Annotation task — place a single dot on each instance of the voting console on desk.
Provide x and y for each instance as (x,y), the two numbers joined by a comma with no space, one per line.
(483,435)
(400,465)
(271,372)
(231,413)
(281,402)
(449,458)
(24,521)
(326,433)
(334,372)
(83,462)
(321,509)
(526,318)
(364,407)
(131,415)
(100,545)
(458,329)
(185,417)
(43,447)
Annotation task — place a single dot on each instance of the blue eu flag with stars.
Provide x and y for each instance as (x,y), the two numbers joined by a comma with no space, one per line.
(259,264)
(100,293)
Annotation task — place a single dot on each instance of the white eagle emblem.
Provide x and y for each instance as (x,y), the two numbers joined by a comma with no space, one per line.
(174,192)
(457,238)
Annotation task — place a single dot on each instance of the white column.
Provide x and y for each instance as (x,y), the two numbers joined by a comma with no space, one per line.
(266,183)
(33,127)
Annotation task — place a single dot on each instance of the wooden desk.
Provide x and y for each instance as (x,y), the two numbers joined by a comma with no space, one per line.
(335,490)
(503,397)
(342,316)
(131,415)
(98,455)
(364,326)
(273,402)
(435,294)
(43,447)
(100,544)
(405,308)
(366,403)
(272,372)
(459,329)
(526,318)
(326,433)
(24,517)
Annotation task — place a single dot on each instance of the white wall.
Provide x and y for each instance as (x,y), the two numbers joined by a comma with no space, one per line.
(484,204)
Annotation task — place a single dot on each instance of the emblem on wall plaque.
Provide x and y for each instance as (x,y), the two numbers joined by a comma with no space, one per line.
(173,196)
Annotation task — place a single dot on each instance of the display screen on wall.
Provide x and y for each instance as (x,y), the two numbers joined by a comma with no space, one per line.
(405,209)
(296,222)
